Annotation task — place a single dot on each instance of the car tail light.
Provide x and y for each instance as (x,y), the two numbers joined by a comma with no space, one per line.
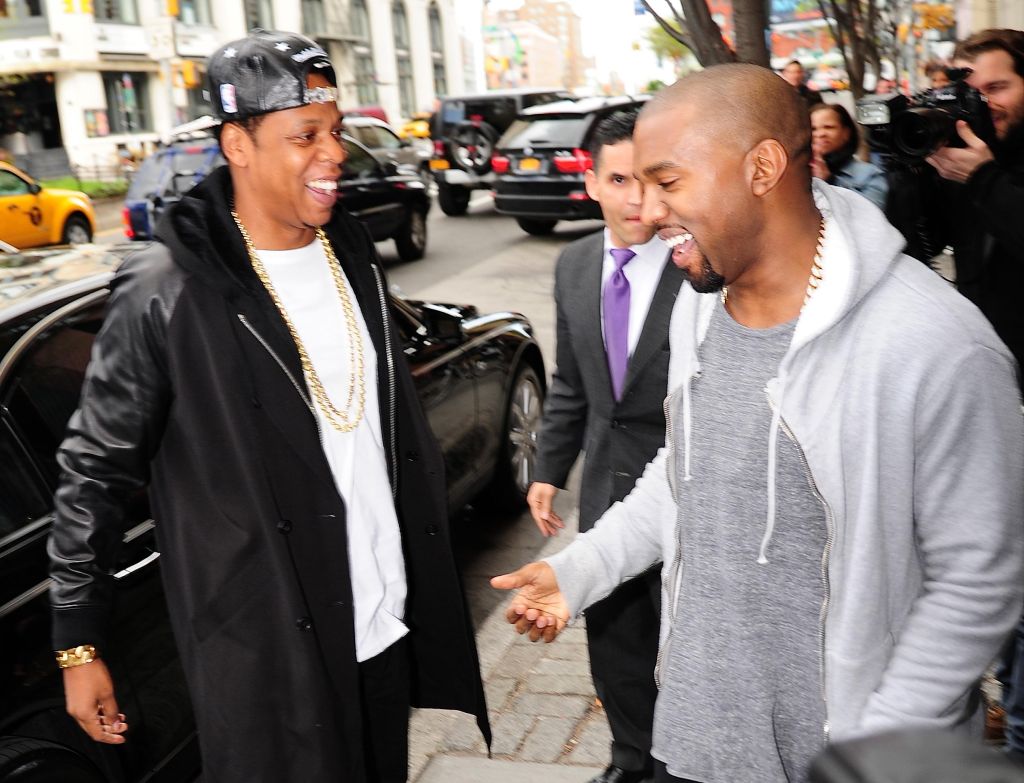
(499,163)
(578,195)
(439,149)
(126,218)
(575,162)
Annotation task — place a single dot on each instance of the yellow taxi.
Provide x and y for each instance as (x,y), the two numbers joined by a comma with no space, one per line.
(31,215)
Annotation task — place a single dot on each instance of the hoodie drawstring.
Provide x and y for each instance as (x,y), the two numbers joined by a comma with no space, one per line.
(773,441)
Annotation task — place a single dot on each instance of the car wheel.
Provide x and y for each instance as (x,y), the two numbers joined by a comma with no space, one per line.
(412,241)
(38,761)
(518,457)
(77,231)
(473,146)
(538,228)
(454,199)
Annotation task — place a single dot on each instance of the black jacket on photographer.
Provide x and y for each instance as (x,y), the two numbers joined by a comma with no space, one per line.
(983,220)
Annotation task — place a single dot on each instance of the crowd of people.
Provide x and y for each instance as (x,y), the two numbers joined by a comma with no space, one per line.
(802,508)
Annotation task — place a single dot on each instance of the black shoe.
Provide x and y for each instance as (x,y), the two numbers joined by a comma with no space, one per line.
(613,774)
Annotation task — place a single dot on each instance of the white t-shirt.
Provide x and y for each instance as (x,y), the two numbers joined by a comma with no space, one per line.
(643,272)
(303,281)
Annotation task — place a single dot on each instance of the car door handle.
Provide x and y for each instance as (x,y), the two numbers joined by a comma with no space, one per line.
(152,556)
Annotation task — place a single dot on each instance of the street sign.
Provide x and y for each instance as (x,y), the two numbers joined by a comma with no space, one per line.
(160,37)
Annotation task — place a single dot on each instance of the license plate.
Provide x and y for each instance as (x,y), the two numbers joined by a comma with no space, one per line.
(529,164)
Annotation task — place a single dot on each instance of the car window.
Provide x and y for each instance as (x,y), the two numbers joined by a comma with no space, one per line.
(385,139)
(12,185)
(43,392)
(22,498)
(545,132)
(542,98)
(358,163)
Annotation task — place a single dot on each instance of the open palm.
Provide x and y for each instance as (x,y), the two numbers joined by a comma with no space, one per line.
(538,608)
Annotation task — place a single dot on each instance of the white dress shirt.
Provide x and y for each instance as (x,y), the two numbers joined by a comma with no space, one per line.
(643,272)
(306,287)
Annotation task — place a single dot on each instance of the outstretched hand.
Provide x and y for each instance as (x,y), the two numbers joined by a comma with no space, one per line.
(538,608)
(958,163)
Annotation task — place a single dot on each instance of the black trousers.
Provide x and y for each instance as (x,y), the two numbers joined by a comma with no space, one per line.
(661,775)
(384,692)
(622,632)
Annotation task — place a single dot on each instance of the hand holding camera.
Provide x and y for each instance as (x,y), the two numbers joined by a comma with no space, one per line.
(958,163)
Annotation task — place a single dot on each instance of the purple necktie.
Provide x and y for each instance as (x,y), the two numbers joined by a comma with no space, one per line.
(616,319)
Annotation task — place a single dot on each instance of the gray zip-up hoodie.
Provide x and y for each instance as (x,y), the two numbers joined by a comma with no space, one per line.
(906,407)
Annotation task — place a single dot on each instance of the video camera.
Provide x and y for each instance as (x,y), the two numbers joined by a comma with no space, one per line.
(913,128)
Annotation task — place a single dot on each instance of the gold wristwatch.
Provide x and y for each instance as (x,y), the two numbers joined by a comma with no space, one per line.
(76,656)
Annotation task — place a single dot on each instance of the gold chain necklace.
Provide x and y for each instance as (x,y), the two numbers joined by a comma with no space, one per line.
(813,280)
(343,420)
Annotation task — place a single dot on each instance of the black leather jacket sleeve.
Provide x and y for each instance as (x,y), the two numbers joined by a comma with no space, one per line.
(110,441)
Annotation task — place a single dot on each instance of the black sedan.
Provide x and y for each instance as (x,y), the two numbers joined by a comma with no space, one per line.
(392,200)
(480,379)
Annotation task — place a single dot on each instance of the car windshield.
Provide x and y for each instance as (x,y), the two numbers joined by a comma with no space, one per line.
(545,132)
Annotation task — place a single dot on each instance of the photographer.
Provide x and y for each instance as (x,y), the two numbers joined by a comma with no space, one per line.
(984,209)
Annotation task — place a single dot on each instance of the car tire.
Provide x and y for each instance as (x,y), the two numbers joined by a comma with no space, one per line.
(25,760)
(473,145)
(454,199)
(537,228)
(77,231)
(520,427)
(411,242)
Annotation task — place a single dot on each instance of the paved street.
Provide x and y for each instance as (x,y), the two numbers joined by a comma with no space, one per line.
(547,725)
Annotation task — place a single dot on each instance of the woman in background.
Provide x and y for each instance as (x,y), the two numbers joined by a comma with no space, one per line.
(834,140)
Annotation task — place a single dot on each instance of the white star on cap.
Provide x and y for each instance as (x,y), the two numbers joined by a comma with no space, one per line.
(282,47)
(230,52)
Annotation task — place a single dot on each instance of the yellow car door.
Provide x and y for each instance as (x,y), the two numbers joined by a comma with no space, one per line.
(21,218)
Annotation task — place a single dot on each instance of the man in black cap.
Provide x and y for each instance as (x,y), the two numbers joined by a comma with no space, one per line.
(248,371)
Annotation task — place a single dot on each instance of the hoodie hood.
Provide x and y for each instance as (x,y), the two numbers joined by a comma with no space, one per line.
(859,249)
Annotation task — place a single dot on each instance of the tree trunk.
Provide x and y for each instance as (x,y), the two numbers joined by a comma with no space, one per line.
(750,21)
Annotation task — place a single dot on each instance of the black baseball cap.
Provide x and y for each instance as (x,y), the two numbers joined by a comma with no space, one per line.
(267,71)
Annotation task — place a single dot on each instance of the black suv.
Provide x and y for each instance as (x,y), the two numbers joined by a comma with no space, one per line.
(540,160)
(464,130)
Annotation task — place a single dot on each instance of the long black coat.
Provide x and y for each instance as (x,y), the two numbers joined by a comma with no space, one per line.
(195,386)
(619,436)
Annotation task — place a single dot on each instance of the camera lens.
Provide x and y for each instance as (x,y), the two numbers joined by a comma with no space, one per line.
(918,132)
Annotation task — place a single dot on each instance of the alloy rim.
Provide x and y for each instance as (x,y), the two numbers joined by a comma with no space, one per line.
(524,424)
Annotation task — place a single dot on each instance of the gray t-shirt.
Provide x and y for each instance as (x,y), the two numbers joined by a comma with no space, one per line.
(741,695)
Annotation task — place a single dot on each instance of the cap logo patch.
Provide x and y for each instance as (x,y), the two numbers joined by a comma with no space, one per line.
(322,95)
(227,99)
(308,53)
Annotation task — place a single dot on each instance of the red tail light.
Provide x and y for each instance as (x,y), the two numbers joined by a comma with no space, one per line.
(575,162)
(126,218)
(500,164)
(439,149)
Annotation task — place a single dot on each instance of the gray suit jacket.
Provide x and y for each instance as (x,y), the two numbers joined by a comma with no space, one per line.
(619,438)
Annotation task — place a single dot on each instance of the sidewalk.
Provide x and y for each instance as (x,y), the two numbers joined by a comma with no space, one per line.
(546,721)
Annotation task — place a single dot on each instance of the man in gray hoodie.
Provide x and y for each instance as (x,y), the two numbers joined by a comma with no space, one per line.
(839,501)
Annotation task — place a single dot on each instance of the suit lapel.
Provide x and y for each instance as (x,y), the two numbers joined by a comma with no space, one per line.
(590,299)
(655,331)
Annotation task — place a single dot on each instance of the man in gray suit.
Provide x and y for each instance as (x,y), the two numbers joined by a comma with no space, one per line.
(614,293)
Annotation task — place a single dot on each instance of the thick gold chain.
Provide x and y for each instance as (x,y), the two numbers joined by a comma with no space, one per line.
(346,419)
(814,279)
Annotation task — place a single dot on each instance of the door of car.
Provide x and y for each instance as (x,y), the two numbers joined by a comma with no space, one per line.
(39,389)
(446,387)
(22,219)
(367,194)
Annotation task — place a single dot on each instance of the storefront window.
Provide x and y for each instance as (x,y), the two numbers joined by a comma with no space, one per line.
(123,11)
(258,13)
(195,12)
(127,102)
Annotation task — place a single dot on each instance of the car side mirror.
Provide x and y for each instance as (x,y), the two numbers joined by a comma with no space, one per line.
(34,188)
(441,322)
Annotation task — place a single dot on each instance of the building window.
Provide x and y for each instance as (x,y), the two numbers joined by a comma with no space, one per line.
(314,19)
(127,102)
(437,51)
(362,54)
(258,13)
(122,11)
(195,12)
(13,10)
(400,29)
